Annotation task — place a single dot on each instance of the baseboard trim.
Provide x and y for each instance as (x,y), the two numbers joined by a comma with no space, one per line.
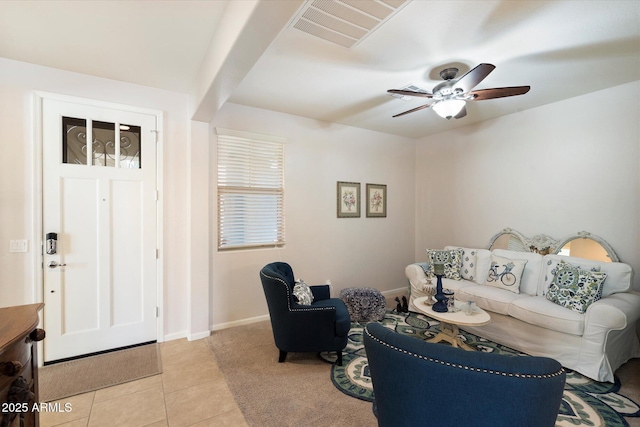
(219,326)
(250,320)
(394,291)
(241,322)
(198,335)
(175,336)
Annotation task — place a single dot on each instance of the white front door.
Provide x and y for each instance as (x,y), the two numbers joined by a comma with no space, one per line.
(99,200)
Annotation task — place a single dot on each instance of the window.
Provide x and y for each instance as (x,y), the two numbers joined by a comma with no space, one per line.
(104,151)
(250,190)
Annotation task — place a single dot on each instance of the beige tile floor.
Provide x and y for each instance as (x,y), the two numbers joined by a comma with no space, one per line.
(191,391)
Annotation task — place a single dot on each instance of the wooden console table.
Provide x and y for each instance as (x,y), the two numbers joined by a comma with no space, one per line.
(19,365)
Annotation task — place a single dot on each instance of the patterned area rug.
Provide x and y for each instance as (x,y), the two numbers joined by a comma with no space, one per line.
(585,402)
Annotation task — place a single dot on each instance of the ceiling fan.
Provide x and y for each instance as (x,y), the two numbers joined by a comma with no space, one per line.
(450,97)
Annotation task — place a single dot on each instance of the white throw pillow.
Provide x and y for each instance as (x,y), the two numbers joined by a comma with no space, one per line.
(506,273)
(303,293)
(483,262)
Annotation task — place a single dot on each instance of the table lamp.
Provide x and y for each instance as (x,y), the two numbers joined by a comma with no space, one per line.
(441,305)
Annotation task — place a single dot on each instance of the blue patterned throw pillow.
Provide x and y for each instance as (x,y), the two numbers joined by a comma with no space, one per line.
(468,268)
(452,260)
(303,293)
(575,288)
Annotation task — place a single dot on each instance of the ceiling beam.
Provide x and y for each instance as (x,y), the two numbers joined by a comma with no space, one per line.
(246,30)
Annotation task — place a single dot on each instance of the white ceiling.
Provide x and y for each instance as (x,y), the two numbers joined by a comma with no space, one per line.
(562,49)
(153,43)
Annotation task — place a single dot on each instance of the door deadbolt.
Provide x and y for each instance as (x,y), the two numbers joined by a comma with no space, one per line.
(52,243)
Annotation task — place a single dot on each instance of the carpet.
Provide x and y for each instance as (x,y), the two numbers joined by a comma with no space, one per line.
(79,376)
(585,402)
(294,393)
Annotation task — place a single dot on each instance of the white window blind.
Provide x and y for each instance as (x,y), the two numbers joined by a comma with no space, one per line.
(250,190)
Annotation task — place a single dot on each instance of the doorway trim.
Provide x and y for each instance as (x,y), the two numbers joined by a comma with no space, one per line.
(37,192)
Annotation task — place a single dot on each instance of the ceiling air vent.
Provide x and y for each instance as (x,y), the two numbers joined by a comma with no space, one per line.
(344,22)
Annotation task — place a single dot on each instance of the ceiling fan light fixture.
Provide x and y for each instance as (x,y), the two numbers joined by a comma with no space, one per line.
(449,98)
(449,107)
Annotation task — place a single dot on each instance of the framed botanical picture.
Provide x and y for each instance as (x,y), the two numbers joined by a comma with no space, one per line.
(376,201)
(348,199)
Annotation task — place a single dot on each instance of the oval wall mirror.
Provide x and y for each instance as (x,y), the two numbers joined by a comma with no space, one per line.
(509,239)
(588,246)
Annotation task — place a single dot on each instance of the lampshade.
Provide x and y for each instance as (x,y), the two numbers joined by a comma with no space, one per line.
(449,107)
(438,268)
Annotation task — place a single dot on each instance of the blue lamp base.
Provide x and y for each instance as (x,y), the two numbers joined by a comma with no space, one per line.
(441,305)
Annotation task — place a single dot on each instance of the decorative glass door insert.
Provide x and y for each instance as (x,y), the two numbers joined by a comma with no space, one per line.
(103,151)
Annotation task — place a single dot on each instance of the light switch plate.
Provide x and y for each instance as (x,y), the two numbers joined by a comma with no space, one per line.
(18,246)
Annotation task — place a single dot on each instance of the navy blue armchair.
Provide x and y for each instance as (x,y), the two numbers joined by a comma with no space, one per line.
(421,383)
(321,326)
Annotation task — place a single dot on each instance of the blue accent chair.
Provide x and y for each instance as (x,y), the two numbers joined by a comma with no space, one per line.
(321,326)
(421,383)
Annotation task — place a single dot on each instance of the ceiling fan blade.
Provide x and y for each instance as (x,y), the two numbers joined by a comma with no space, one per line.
(413,110)
(473,77)
(410,93)
(498,92)
(461,114)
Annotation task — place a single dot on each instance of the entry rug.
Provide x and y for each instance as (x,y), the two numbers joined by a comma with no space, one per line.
(585,402)
(66,379)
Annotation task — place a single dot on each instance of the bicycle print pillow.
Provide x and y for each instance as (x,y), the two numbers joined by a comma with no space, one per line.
(575,288)
(506,273)
(452,260)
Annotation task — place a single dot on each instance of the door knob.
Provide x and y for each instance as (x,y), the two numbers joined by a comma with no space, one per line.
(37,335)
(54,264)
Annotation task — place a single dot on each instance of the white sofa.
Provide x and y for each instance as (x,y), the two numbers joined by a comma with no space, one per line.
(595,343)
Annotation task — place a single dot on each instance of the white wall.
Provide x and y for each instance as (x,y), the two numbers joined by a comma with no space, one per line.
(17,195)
(557,169)
(348,251)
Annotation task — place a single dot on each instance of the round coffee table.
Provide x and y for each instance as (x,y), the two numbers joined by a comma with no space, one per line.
(449,322)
